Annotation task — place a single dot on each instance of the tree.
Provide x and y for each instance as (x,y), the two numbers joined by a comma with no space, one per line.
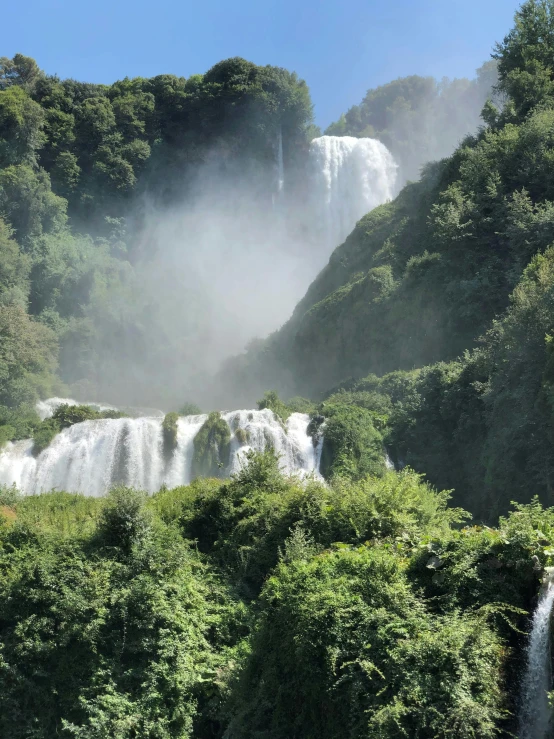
(21,70)
(21,127)
(525,56)
(28,203)
(28,356)
(14,269)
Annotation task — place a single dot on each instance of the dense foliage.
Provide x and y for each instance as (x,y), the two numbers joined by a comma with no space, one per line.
(211,447)
(263,607)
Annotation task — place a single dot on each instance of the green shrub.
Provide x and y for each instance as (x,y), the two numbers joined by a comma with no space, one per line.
(9,496)
(300,405)
(63,417)
(96,645)
(189,409)
(68,415)
(43,435)
(124,521)
(272,401)
(352,446)
(343,642)
(7,433)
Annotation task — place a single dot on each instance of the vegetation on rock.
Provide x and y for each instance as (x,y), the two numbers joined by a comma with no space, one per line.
(212,448)
(63,417)
(170,431)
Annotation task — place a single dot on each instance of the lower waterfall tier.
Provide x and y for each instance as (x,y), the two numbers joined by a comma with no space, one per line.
(91,456)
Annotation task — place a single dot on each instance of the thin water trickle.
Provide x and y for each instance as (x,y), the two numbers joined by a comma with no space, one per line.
(535,713)
(280,164)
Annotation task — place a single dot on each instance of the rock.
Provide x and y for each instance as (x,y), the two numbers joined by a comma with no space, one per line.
(537,567)
(434,563)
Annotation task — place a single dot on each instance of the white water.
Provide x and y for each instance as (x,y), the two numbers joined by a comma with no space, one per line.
(291,442)
(350,177)
(90,457)
(536,715)
(280,164)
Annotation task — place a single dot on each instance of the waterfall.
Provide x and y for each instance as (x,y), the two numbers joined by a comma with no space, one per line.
(536,715)
(262,429)
(350,177)
(280,164)
(91,456)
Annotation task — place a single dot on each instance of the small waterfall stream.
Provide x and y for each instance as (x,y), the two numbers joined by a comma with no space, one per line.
(535,720)
(91,456)
(280,164)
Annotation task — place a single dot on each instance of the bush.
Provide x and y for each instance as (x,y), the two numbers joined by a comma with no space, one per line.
(68,415)
(44,434)
(124,521)
(63,417)
(344,647)
(274,403)
(189,409)
(352,446)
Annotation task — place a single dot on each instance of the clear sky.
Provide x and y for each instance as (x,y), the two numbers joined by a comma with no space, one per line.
(340,47)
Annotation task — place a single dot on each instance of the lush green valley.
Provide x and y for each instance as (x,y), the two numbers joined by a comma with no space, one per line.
(392,596)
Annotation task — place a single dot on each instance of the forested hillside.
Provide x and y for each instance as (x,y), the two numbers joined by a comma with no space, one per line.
(80,164)
(449,288)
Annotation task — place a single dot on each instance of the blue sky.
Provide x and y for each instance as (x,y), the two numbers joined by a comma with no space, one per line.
(340,47)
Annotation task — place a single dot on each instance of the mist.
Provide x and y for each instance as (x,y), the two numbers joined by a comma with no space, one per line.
(226,265)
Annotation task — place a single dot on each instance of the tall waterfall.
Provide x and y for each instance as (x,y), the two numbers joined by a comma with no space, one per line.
(350,177)
(280,164)
(536,715)
(91,456)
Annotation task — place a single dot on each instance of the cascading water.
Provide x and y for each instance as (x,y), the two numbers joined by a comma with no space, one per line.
(91,456)
(262,429)
(350,177)
(280,164)
(536,715)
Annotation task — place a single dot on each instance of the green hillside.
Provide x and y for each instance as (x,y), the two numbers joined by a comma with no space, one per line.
(449,287)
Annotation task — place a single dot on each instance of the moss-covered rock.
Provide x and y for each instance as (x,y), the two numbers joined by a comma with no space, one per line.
(44,434)
(170,431)
(212,448)
(242,436)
